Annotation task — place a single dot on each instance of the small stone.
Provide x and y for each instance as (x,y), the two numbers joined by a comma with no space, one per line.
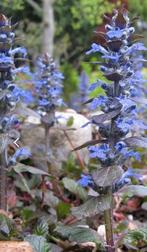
(15,246)
(101,231)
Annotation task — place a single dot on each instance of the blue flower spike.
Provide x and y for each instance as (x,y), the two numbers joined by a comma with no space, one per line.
(122,61)
(47,88)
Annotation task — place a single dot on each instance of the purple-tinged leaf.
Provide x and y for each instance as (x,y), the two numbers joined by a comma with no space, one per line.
(114,76)
(136,141)
(98,119)
(88,101)
(135,37)
(120,21)
(91,142)
(114,45)
(101,39)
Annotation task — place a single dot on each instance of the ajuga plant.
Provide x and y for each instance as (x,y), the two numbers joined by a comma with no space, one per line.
(47,92)
(77,100)
(116,146)
(10,94)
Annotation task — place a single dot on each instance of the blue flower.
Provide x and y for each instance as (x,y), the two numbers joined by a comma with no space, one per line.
(116,33)
(99,101)
(120,145)
(47,84)
(130,154)
(136,47)
(126,179)
(99,151)
(124,124)
(86,180)
(10,93)
(9,122)
(114,57)
(128,106)
(20,154)
(121,66)
(97,48)
(20,50)
(95,85)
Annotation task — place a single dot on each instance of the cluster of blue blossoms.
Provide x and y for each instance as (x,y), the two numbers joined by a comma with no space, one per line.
(10,93)
(47,82)
(121,67)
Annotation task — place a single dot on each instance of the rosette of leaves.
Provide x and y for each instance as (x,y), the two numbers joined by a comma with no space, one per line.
(10,95)
(117,46)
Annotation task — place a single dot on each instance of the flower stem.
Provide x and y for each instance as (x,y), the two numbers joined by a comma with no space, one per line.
(109,226)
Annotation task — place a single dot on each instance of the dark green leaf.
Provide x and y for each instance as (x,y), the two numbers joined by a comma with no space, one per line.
(88,143)
(26,168)
(135,237)
(79,234)
(38,243)
(92,207)
(6,227)
(42,227)
(106,176)
(63,209)
(74,188)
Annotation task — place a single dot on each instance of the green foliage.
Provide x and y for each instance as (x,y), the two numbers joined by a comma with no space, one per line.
(70,121)
(71,80)
(137,190)
(63,209)
(74,188)
(79,234)
(78,18)
(19,168)
(92,207)
(101,175)
(136,239)
(42,227)
(7,229)
(138,7)
(87,13)
(27,214)
(71,167)
(38,243)
(12,5)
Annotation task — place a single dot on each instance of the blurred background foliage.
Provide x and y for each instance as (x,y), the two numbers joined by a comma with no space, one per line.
(74,24)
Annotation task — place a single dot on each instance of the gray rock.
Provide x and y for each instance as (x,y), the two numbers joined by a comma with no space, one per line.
(62,139)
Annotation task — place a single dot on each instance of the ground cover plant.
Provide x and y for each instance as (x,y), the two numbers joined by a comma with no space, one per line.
(55,193)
